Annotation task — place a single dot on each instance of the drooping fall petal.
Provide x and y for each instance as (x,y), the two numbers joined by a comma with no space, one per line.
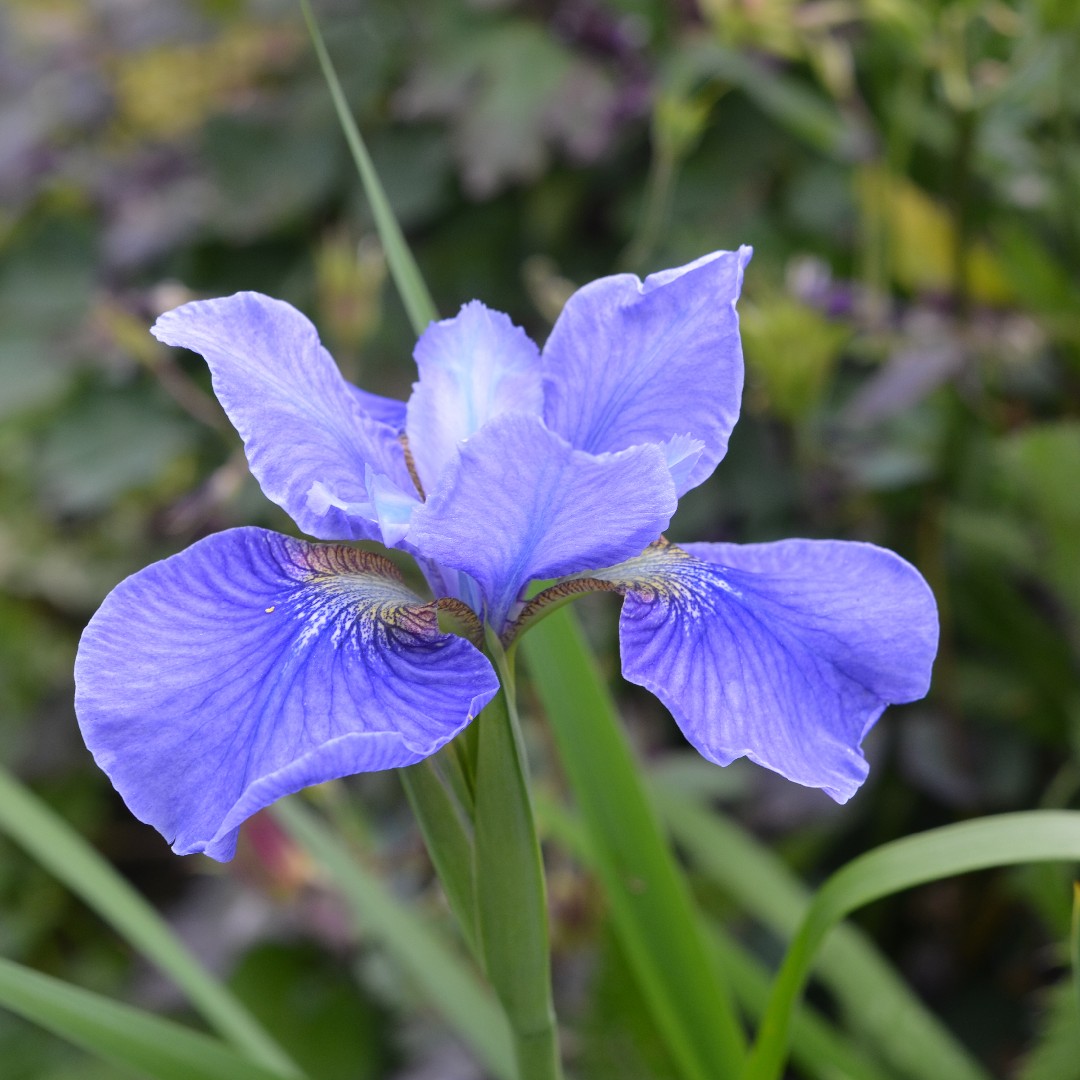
(252,665)
(785,653)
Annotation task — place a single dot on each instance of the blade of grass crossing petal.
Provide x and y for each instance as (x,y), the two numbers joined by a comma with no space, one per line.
(1004,840)
(49,839)
(118,1033)
(406,274)
(817,1047)
(451,985)
(652,910)
(874,1000)
(448,839)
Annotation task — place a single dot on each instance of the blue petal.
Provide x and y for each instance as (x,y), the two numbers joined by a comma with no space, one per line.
(308,436)
(388,411)
(519,503)
(386,507)
(472,368)
(633,362)
(785,653)
(252,665)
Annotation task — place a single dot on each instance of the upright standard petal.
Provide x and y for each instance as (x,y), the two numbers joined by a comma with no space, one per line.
(633,362)
(308,435)
(473,367)
(252,665)
(519,503)
(785,653)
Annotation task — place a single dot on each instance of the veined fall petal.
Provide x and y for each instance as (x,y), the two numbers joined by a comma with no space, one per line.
(252,665)
(786,653)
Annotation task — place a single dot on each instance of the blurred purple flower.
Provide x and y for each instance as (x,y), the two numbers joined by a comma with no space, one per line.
(253,664)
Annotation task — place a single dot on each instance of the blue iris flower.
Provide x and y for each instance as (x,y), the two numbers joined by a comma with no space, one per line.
(253,664)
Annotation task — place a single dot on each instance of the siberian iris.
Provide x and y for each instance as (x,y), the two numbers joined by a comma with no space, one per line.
(254,664)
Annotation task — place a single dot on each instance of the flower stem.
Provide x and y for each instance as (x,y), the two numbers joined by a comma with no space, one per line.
(511,898)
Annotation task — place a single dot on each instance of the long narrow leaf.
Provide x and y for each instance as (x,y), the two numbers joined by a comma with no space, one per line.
(1004,840)
(406,274)
(448,840)
(64,853)
(511,899)
(149,1044)
(651,907)
(450,984)
(875,1001)
(1074,941)
(817,1046)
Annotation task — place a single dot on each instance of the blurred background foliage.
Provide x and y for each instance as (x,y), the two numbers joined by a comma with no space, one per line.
(909,174)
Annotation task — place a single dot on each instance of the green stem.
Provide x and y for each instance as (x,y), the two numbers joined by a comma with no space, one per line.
(651,907)
(511,898)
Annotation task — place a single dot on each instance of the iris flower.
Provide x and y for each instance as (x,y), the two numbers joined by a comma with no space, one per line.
(254,664)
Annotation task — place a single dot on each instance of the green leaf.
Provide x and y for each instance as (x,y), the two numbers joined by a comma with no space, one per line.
(505,86)
(447,837)
(1041,464)
(787,100)
(1004,840)
(1074,941)
(652,911)
(818,1048)
(873,999)
(450,984)
(511,901)
(65,854)
(792,350)
(1056,1054)
(313,1004)
(414,293)
(155,1047)
(85,462)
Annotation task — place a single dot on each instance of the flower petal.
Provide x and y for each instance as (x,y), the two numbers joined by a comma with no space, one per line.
(519,503)
(301,422)
(252,665)
(387,507)
(388,411)
(633,362)
(785,653)
(472,368)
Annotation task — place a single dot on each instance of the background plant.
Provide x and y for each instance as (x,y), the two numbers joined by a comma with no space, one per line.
(908,176)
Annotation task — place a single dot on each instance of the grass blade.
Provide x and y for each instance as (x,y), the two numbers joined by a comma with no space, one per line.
(1005,840)
(819,1049)
(64,853)
(149,1044)
(448,839)
(451,985)
(1074,941)
(874,1000)
(651,907)
(406,274)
